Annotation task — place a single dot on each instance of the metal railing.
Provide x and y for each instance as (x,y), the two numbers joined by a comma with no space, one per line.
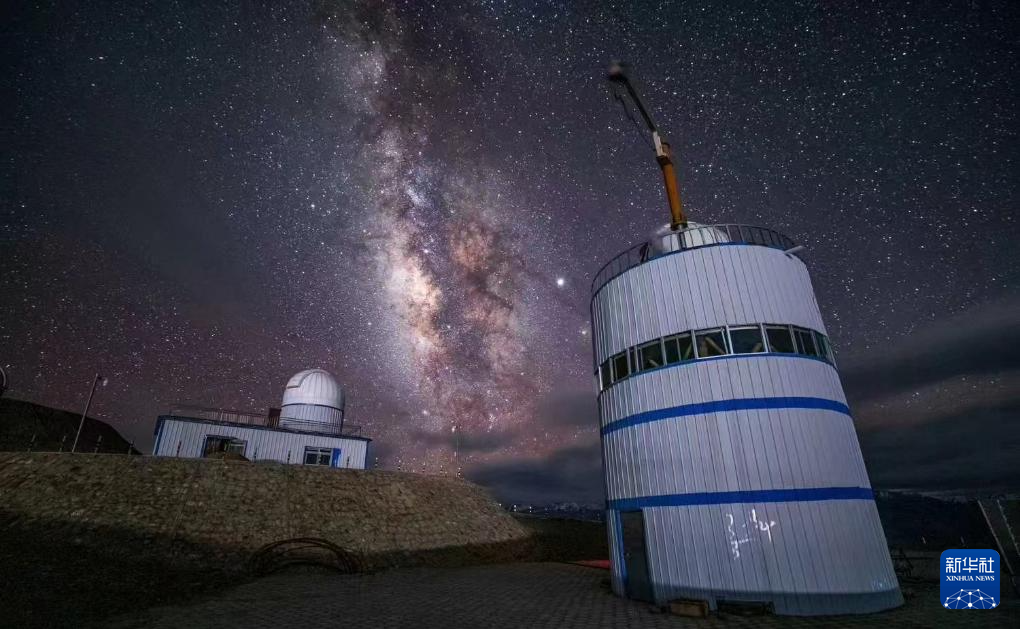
(242,418)
(686,239)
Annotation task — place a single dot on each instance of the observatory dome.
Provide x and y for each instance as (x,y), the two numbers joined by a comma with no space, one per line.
(313,401)
(313,386)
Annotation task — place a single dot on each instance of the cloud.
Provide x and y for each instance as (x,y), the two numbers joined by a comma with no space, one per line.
(569,474)
(973,452)
(981,341)
(939,409)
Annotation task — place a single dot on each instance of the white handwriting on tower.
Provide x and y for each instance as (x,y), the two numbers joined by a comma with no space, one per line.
(735,542)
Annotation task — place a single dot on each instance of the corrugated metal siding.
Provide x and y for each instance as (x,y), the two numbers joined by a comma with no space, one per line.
(721,379)
(304,413)
(262,445)
(702,288)
(824,556)
(735,451)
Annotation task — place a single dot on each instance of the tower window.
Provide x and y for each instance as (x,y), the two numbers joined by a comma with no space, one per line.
(710,343)
(620,370)
(747,340)
(679,347)
(779,339)
(650,355)
(805,342)
(825,350)
(722,341)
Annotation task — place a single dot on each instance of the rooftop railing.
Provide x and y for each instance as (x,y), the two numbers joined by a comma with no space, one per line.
(242,418)
(686,239)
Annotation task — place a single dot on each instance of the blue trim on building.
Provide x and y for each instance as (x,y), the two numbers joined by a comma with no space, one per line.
(722,406)
(814,494)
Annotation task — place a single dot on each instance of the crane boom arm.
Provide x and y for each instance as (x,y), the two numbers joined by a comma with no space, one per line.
(663,154)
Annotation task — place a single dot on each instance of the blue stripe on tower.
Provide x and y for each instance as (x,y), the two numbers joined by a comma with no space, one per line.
(722,406)
(813,494)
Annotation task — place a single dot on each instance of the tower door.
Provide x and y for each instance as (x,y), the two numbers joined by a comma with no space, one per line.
(635,555)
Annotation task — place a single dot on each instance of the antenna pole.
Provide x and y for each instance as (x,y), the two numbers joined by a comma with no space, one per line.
(663,153)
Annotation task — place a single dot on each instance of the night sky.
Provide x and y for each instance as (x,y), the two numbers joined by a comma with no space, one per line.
(199,201)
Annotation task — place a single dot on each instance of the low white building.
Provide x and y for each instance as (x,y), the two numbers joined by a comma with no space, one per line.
(307,429)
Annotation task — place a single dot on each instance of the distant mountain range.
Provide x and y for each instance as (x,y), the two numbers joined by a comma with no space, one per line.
(27,426)
(911,521)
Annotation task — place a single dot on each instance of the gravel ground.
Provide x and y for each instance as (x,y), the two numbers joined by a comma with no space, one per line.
(508,595)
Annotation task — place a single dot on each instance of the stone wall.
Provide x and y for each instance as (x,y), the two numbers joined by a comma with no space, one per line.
(214,511)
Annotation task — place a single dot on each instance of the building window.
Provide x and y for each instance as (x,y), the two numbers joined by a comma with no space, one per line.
(318,456)
(746,340)
(710,343)
(650,355)
(722,341)
(805,342)
(780,340)
(678,348)
(216,445)
(620,370)
(823,346)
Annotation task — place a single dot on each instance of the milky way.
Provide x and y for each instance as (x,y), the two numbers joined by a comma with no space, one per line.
(200,201)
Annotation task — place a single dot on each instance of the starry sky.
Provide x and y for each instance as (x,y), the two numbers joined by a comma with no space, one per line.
(201,199)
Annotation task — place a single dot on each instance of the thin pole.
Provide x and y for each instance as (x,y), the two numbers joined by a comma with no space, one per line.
(81,424)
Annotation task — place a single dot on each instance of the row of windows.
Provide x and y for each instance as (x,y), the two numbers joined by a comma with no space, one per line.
(215,445)
(754,338)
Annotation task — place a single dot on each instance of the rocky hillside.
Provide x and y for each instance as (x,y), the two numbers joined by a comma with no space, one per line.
(26,426)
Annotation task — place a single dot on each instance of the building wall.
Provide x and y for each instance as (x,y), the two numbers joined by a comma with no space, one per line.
(702,288)
(304,416)
(181,437)
(747,468)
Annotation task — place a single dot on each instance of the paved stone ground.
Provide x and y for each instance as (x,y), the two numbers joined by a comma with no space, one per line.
(509,595)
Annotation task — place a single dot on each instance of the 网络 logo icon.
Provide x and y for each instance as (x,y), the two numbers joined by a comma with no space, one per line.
(970,579)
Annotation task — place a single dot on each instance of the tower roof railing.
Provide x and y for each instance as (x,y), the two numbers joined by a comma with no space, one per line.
(685,240)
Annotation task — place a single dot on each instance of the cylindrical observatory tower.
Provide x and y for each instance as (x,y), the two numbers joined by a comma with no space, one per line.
(732,467)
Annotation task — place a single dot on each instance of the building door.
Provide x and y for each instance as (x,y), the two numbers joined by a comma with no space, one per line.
(635,556)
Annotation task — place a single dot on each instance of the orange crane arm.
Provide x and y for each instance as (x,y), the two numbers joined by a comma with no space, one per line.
(663,154)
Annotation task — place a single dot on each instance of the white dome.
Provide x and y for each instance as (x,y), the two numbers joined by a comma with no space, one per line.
(313,386)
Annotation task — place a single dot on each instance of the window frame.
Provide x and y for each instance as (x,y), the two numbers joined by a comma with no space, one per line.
(748,326)
(797,332)
(318,451)
(675,339)
(823,344)
(616,357)
(641,355)
(725,339)
(789,334)
(230,441)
